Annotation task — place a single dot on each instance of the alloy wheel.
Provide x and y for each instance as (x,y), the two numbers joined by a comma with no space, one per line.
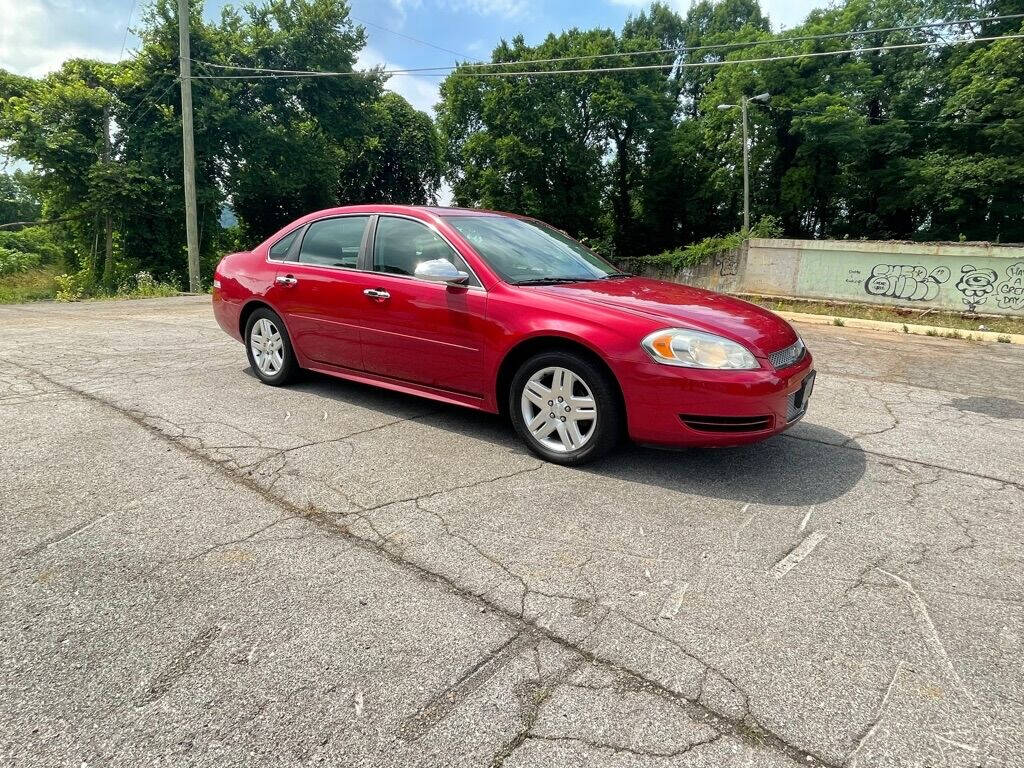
(267,347)
(559,409)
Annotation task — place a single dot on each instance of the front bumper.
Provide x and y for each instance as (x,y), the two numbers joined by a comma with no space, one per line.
(677,407)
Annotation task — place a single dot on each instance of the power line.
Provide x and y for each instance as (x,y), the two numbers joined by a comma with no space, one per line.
(127,28)
(410,37)
(142,99)
(752,43)
(264,74)
(149,109)
(676,50)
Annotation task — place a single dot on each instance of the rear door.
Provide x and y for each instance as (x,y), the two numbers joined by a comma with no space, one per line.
(319,293)
(417,331)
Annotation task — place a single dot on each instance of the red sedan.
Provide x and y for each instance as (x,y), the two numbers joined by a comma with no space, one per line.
(503,313)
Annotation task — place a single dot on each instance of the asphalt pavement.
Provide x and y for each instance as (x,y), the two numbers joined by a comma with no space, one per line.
(202,570)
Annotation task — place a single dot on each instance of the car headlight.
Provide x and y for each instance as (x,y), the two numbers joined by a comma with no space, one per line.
(697,349)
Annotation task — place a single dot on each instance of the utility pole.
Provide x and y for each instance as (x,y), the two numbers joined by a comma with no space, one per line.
(108,263)
(188,145)
(746,167)
(761,97)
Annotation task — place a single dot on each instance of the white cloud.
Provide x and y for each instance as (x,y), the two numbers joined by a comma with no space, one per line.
(402,8)
(422,92)
(507,8)
(36,37)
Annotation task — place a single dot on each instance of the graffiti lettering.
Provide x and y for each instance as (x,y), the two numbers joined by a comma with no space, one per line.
(976,285)
(1010,293)
(727,263)
(910,282)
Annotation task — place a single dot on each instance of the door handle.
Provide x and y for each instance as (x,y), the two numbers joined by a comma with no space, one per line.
(377,293)
(285,280)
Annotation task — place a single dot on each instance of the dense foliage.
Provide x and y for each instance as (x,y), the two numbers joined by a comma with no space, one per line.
(271,149)
(709,248)
(915,143)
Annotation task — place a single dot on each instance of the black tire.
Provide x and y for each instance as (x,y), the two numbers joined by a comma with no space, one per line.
(289,367)
(603,435)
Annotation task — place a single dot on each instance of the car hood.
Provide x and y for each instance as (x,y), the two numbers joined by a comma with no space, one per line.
(684,306)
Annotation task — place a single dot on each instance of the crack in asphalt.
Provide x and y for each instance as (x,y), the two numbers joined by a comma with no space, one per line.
(447,701)
(537,695)
(877,454)
(193,651)
(619,749)
(747,729)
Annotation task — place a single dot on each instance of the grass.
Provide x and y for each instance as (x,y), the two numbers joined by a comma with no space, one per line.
(32,285)
(957,321)
(49,283)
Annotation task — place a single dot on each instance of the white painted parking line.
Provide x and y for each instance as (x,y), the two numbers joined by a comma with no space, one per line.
(674,602)
(794,558)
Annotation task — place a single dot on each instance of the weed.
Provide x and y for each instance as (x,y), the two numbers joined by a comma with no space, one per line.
(838,321)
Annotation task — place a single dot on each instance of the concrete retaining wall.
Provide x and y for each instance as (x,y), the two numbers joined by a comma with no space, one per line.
(974,277)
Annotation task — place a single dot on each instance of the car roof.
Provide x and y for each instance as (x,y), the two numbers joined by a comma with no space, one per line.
(435,210)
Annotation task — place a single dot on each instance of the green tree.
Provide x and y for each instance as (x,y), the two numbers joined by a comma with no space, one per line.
(60,126)
(528,144)
(973,187)
(17,201)
(400,161)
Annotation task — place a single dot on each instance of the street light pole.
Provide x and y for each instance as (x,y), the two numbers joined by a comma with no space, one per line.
(746,167)
(188,146)
(763,98)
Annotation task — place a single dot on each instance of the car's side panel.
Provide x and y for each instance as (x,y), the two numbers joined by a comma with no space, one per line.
(395,385)
(426,333)
(239,279)
(321,310)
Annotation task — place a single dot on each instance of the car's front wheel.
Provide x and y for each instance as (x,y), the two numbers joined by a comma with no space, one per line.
(269,348)
(565,408)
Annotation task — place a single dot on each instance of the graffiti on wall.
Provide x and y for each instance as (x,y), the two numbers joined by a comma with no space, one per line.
(910,282)
(1010,292)
(976,285)
(728,263)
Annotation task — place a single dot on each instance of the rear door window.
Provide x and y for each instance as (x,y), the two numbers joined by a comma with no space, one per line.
(334,242)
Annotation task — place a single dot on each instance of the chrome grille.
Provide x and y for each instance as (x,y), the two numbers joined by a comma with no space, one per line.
(787,356)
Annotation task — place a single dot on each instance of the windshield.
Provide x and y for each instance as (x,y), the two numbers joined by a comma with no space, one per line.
(525,252)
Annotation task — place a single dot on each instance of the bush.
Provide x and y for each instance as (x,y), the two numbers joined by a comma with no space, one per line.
(70,287)
(141,285)
(710,247)
(14,262)
(39,241)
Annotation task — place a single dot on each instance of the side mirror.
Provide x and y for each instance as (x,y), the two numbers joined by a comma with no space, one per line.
(440,271)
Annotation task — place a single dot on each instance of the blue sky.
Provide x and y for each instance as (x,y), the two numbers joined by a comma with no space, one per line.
(37,35)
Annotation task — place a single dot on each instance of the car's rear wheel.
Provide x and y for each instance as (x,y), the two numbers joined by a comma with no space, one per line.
(269,348)
(565,408)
